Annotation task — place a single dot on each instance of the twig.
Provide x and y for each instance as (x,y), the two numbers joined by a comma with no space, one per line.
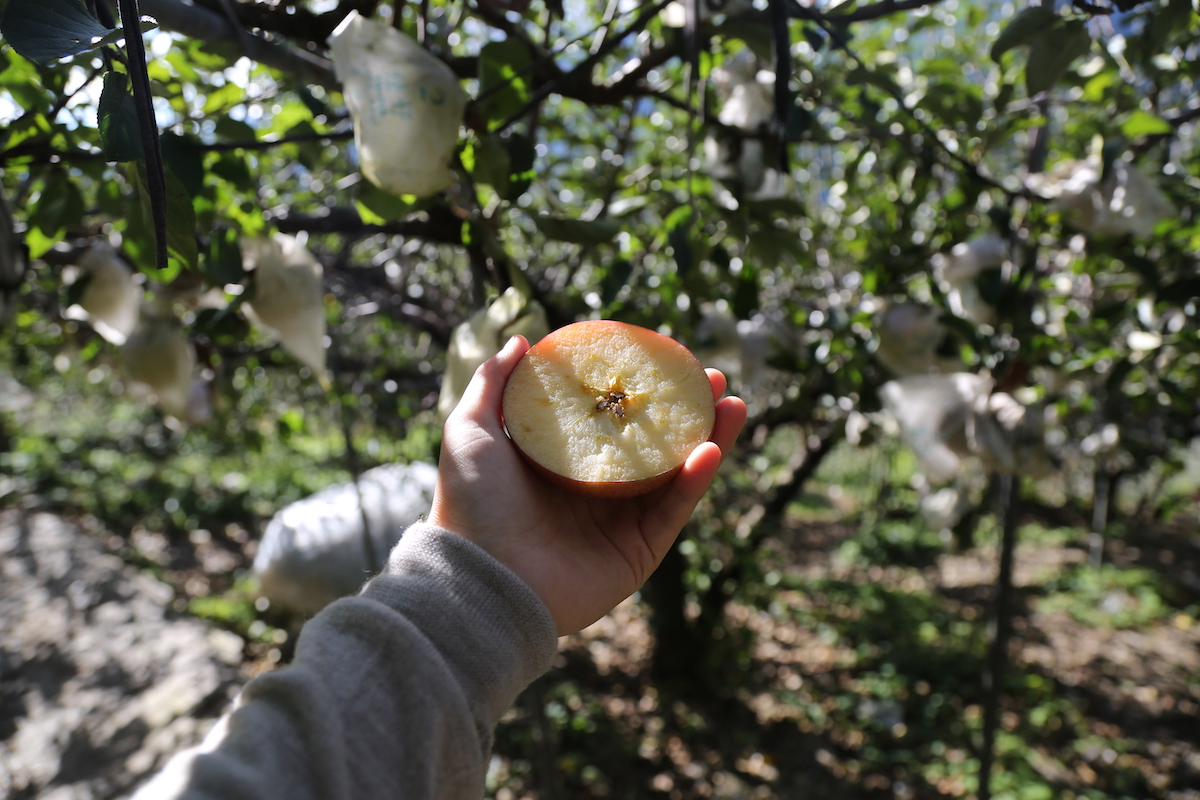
(768,513)
(352,466)
(999,627)
(1102,481)
(930,134)
(584,67)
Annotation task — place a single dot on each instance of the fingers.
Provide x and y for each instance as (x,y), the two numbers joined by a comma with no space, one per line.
(671,512)
(665,519)
(731,417)
(731,412)
(482,398)
(719,384)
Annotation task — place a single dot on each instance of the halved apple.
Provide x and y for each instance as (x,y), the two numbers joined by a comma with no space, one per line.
(608,409)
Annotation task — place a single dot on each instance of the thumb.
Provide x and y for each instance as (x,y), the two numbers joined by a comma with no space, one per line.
(482,398)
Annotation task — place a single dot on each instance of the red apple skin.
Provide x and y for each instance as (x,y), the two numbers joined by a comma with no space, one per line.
(586,331)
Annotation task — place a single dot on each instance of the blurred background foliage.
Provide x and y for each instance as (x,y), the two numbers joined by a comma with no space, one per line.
(812,631)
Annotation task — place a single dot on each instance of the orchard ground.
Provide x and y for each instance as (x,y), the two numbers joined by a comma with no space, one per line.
(855,674)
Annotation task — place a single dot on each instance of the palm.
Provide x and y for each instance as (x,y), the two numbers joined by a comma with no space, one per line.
(582,556)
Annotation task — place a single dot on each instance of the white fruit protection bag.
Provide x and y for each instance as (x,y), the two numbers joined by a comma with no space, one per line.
(112,297)
(159,356)
(934,413)
(1125,202)
(948,420)
(957,271)
(407,106)
(481,337)
(312,551)
(909,336)
(289,296)
(747,103)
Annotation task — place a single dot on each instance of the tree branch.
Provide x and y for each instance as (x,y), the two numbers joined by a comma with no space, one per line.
(877,10)
(369,282)
(200,23)
(439,224)
(581,74)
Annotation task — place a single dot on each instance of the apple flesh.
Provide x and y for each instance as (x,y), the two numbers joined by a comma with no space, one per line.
(608,409)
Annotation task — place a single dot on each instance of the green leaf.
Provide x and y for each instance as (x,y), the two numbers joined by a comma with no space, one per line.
(503,162)
(233,130)
(59,206)
(1022,29)
(504,73)
(615,278)
(378,206)
(1051,54)
(745,292)
(316,106)
(220,99)
(799,122)
(120,135)
(181,218)
(223,263)
(20,78)
(39,243)
(47,30)
(758,35)
(521,156)
(769,246)
(679,225)
(308,147)
(185,159)
(1143,123)
(577,231)
(776,207)
(492,163)
(231,166)
(865,76)
(1175,17)
(1094,90)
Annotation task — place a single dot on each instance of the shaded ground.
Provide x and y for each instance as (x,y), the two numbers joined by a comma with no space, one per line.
(861,679)
(844,698)
(99,682)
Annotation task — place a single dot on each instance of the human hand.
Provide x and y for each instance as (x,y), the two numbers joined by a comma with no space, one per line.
(580,555)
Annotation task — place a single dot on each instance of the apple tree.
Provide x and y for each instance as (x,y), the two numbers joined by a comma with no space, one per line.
(763,180)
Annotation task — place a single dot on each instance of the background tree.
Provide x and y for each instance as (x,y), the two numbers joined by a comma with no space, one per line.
(762,180)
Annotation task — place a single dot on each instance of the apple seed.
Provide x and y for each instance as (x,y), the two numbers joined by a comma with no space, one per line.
(613,401)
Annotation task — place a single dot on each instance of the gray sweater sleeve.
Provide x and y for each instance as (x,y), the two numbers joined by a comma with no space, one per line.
(393,693)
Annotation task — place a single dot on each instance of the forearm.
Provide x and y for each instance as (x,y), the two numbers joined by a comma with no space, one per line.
(392,693)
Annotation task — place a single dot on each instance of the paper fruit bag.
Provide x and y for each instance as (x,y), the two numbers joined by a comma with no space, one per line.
(934,413)
(407,106)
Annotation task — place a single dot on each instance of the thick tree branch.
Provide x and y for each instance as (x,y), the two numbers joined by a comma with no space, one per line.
(878,10)
(200,23)
(293,21)
(39,151)
(438,225)
(370,282)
